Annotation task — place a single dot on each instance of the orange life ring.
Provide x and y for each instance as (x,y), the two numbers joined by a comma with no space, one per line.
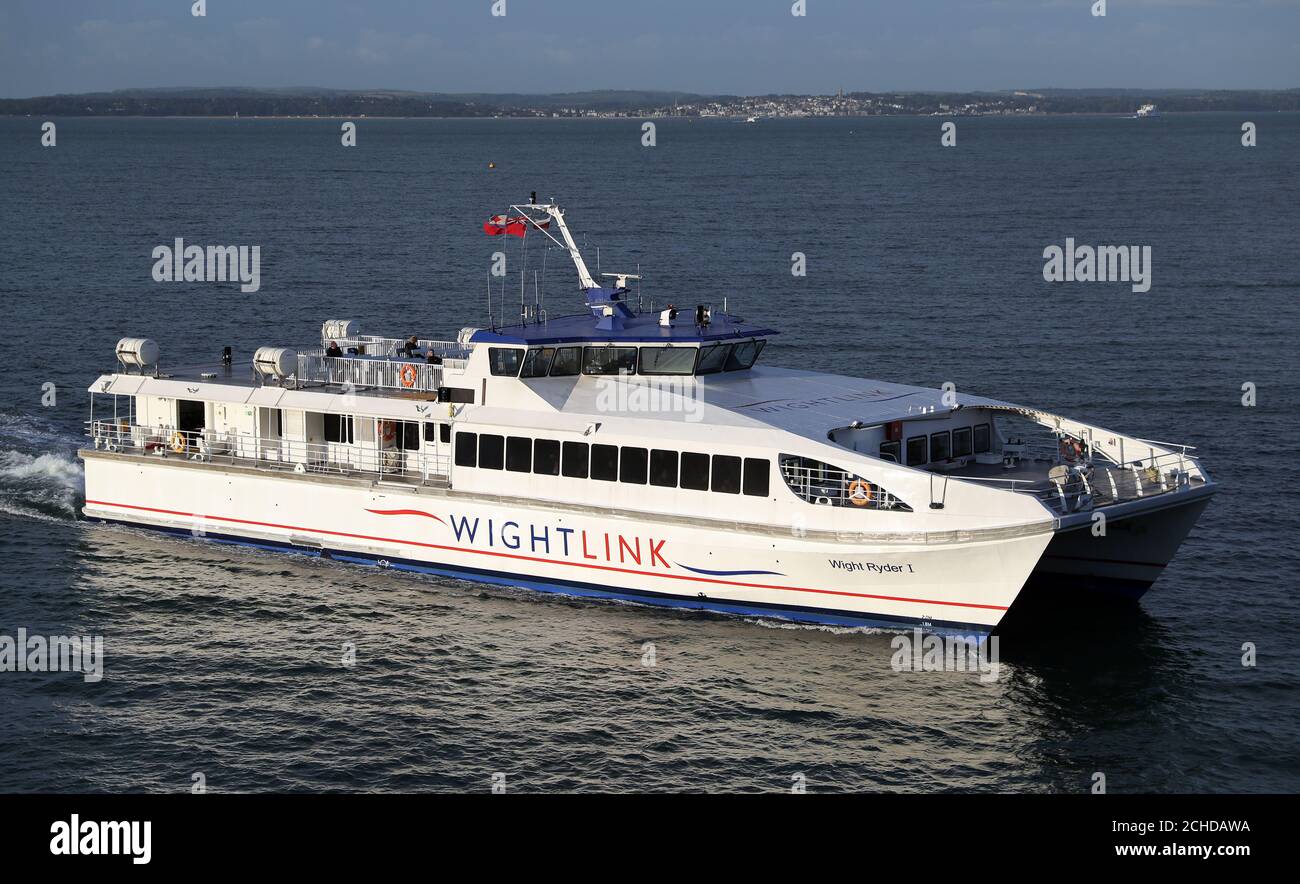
(179,443)
(860,492)
(408,375)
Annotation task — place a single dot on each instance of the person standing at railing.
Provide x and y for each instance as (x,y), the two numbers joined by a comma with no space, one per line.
(412,344)
(431,357)
(333,349)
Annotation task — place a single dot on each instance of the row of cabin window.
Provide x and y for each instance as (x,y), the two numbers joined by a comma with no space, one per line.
(570,361)
(342,428)
(610,463)
(937,447)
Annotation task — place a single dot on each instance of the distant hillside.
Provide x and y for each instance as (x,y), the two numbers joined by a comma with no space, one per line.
(310,101)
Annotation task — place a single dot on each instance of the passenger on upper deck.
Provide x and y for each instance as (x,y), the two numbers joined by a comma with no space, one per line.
(333,349)
(432,358)
(412,344)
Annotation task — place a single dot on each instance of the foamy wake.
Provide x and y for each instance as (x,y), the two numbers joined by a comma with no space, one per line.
(47,484)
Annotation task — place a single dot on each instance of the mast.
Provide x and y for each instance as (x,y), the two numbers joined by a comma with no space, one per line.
(554,211)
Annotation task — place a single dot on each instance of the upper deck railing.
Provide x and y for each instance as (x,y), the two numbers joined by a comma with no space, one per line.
(380,363)
(287,455)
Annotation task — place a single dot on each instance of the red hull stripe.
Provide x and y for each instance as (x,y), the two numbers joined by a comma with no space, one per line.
(503,555)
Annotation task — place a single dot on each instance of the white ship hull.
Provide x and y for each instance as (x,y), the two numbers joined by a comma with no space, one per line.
(943,583)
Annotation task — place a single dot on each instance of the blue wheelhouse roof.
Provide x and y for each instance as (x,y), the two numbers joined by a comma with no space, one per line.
(642,328)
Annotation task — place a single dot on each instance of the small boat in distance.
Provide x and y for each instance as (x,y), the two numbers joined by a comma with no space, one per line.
(1146,110)
(642,453)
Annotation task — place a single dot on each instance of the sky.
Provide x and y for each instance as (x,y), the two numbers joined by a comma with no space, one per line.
(745,47)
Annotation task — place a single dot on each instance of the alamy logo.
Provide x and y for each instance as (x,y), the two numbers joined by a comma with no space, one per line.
(623,395)
(57,653)
(78,837)
(182,263)
(1100,264)
(919,652)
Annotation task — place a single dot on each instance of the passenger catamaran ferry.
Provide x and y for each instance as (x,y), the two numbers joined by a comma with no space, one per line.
(641,454)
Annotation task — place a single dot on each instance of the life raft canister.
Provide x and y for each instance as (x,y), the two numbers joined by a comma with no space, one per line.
(179,442)
(860,492)
(408,375)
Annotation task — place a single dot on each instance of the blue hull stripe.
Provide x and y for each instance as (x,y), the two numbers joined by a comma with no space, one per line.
(797,613)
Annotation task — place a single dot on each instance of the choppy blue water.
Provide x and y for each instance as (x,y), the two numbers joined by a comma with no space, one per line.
(924,266)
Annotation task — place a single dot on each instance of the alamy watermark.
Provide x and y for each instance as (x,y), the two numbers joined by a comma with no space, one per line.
(665,395)
(1100,264)
(55,653)
(921,652)
(182,263)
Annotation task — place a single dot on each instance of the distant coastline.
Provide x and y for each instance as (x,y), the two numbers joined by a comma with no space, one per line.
(307,103)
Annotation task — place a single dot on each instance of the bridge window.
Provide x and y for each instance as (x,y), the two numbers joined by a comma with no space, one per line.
(668,360)
(575,460)
(546,457)
(608,360)
(743,355)
(663,468)
(713,359)
(491,452)
(982,441)
(519,454)
(466,449)
(890,451)
(537,363)
(567,362)
(695,471)
(604,462)
(504,361)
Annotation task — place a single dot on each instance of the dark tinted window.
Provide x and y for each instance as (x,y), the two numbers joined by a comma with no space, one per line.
(504,361)
(604,462)
(338,428)
(961,442)
(537,363)
(575,460)
(567,361)
(663,468)
(608,360)
(982,442)
(712,359)
(890,451)
(940,446)
(917,451)
(695,471)
(444,432)
(519,454)
(757,472)
(632,465)
(409,438)
(430,432)
(726,474)
(491,452)
(466,449)
(743,355)
(546,457)
(668,360)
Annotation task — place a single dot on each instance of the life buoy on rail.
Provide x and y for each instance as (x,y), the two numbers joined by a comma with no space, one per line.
(179,442)
(860,492)
(408,375)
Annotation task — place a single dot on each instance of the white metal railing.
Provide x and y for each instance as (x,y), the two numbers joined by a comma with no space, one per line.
(247,449)
(1089,484)
(826,485)
(362,371)
(374,345)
